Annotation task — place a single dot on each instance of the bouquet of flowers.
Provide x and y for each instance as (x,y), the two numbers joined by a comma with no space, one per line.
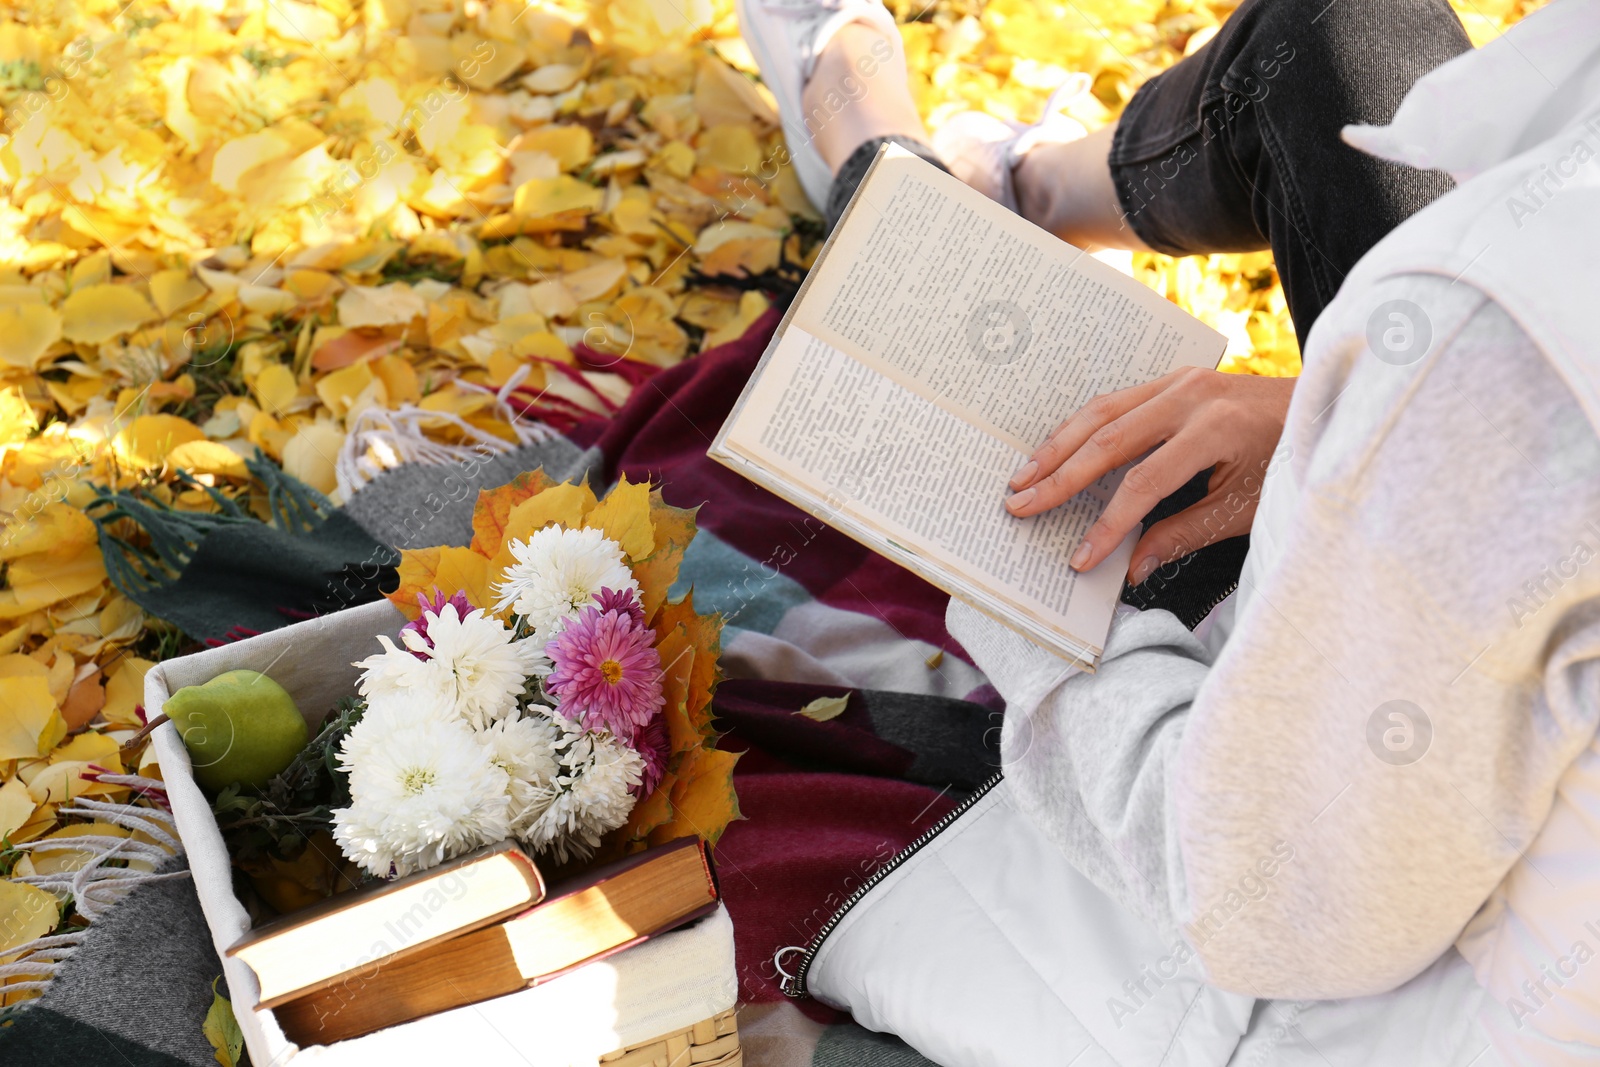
(545,690)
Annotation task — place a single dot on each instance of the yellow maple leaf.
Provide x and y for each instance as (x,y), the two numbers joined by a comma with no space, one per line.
(446,569)
(674,529)
(752,305)
(388,305)
(677,667)
(624,516)
(704,633)
(648,814)
(565,505)
(57,783)
(492,510)
(704,800)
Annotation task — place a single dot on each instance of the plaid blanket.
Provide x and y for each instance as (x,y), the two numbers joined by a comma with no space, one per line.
(810,614)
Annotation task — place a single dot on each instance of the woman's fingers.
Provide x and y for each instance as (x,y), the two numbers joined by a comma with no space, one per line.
(1145,485)
(1115,444)
(1072,434)
(1192,419)
(1225,512)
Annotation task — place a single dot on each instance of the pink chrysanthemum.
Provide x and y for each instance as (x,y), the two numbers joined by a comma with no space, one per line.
(431,608)
(652,744)
(622,601)
(606,673)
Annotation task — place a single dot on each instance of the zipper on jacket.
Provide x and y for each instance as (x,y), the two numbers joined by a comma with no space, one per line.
(794,985)
(1209,608)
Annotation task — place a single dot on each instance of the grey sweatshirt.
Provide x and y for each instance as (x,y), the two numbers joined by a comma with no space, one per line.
(1322,799)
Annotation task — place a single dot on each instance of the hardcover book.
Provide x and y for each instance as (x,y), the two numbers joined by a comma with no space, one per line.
(602,912)
(358,930)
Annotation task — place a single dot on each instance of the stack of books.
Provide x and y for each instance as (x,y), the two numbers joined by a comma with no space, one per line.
(478,927)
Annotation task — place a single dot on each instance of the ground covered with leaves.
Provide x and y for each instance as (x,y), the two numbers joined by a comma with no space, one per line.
(228,226)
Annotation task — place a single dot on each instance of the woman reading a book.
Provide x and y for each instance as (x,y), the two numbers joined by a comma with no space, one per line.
(1397,710)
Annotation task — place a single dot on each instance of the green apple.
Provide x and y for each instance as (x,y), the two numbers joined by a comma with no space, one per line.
(239,727)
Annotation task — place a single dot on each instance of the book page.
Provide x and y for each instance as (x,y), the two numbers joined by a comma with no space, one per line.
(928,482)
(956,298)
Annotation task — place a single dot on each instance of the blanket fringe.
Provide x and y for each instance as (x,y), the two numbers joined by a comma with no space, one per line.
(95,886)
(174,536)
(380,439)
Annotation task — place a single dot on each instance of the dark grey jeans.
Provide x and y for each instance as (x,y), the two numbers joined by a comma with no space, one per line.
(1237,149)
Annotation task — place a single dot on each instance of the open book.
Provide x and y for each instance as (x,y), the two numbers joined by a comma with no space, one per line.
(938,341)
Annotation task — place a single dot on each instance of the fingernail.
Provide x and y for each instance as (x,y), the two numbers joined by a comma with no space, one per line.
(1020,500)
(1143,568)
(1025,475)
(1081,557)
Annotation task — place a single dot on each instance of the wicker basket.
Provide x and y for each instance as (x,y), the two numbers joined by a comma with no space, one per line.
(712,1042)
(656,987)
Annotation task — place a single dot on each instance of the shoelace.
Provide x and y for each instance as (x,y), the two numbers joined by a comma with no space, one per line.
(1034,134)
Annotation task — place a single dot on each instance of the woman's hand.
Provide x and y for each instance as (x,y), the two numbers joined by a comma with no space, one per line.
(1193,419)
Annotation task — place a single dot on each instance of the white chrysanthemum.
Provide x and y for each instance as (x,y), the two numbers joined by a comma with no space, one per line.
(592,793)
(525,749)
(386,712)
(473,665)
(558,572)
(422,790)
(394,670)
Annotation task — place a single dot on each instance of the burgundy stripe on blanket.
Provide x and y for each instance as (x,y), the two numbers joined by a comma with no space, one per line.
(823,808)
(822,802)
(662,433)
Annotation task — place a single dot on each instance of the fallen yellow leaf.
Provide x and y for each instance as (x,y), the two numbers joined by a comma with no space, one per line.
(550,198)
(389,305)
(310,454)
(175,289)
(275,388)
(98,313)
(26,333)
(147,441)
(30,725)
(207,457)
(27,913)
(825,709)
(570,146)
(16,806)
(125,690)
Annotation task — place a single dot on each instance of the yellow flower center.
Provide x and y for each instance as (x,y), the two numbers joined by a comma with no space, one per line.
(417,779)
(611,671)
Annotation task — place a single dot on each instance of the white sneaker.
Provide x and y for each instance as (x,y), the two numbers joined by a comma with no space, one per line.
(983,151)
(786,37)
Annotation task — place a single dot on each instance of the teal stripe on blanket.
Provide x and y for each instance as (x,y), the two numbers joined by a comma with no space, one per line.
(749,594)
(849,1045)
